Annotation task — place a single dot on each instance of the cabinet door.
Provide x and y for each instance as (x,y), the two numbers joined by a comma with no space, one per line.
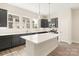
(55,22)
(35,23)
(3,18)
(26,22)
(17,41)
(5,42)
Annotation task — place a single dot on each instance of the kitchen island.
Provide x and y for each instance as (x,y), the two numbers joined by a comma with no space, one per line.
(40,44)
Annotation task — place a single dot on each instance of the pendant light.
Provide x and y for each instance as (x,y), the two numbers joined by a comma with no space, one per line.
(49,11)
(39,15)
(49,17)
(39,10)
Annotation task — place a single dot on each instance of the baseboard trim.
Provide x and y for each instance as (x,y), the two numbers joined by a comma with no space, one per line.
(66,42)
(75,42)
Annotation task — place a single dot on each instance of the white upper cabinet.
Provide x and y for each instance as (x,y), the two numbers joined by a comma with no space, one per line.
(26,22)
(13,21)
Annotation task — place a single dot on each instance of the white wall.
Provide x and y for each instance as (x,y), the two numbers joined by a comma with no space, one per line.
(75,25)
(17,10)
(64,17)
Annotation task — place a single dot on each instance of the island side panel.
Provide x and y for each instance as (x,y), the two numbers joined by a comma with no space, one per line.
(45,47)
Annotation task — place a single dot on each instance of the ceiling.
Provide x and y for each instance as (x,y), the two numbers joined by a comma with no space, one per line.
(44,7)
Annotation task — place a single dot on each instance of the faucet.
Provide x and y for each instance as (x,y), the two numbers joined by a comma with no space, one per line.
(54,31)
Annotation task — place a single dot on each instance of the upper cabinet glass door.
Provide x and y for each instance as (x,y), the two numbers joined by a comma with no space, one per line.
(13,21)
(35,23)
(26,22)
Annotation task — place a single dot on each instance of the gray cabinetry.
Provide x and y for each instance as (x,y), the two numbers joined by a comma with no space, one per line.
(3,18)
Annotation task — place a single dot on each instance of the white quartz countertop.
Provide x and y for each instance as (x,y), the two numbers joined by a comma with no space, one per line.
(5,31)
(38,38)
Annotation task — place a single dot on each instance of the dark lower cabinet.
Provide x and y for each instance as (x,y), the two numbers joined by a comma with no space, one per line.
(5,42)
(16,41)
(10,41)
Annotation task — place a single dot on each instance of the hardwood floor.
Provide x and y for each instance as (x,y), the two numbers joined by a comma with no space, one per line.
(65,49)
(16,51)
